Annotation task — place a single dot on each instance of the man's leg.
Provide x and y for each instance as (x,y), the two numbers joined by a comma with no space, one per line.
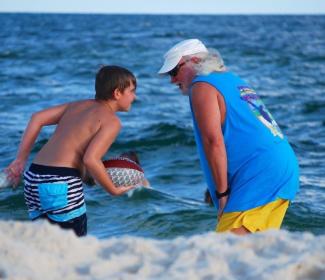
(240,231)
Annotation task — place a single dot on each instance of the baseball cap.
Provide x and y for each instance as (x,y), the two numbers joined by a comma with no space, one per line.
(183,48)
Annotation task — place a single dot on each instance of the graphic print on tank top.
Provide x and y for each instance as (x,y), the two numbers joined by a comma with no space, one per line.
(258,108)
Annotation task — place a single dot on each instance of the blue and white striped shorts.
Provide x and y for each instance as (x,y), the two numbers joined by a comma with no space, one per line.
(54,191)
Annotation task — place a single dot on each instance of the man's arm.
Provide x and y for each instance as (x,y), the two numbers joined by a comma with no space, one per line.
(39,119)
(208,117)
(96,149)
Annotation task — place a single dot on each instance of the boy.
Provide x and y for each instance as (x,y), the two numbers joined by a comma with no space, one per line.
(85,131)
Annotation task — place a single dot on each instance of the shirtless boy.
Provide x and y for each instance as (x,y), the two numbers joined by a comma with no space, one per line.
(85,130)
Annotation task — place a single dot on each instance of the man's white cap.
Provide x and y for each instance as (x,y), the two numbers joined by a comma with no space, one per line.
(174,55)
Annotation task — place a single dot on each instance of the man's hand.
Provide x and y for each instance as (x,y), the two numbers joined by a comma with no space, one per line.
(222,204)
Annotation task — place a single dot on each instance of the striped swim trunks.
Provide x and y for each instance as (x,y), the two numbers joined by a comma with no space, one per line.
(56,192)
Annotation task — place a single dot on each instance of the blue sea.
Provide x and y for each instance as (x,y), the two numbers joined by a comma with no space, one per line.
(47,59)
(165,232)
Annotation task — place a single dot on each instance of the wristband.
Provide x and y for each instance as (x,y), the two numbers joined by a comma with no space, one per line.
(220,195)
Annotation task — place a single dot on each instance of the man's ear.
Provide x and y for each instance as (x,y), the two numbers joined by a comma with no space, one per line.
(195,59)
(117,94)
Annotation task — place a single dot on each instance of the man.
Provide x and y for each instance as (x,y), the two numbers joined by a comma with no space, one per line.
(249,166)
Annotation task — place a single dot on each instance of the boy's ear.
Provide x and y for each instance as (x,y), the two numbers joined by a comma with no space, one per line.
(117,94)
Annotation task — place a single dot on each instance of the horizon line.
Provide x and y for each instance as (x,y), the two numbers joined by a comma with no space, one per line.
(164,14)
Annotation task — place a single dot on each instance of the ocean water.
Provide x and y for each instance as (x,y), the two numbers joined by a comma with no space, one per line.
(49,59)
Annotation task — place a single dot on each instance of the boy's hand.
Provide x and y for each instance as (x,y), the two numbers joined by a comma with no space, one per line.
(14,171)
(124,189)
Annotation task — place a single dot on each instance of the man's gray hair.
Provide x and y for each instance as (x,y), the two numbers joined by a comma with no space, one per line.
(209,62)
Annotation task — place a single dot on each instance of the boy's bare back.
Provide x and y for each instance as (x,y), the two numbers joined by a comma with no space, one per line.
(78,125)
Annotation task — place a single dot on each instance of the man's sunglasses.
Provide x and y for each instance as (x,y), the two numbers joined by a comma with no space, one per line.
(174,71)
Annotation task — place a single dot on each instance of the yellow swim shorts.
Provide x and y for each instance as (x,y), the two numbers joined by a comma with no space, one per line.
(268,216)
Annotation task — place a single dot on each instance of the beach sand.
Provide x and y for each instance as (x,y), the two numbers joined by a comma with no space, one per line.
(42,251)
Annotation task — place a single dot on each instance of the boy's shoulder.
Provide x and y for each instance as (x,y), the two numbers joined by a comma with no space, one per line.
(81,103)
(94,110)
(106,115)
(112,120)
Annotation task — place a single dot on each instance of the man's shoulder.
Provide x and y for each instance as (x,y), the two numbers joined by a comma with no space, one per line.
(204,87)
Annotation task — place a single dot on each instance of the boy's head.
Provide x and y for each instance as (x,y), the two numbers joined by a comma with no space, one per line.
(112,77)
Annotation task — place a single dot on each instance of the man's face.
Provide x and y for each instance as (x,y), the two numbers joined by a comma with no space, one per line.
(182,75)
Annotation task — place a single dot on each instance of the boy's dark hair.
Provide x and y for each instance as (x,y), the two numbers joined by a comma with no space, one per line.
(112,77)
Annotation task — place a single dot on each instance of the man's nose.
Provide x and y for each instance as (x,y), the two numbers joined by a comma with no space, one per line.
(173,79)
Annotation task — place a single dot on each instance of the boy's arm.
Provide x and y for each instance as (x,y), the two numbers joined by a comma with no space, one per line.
(39,119)
(96,149)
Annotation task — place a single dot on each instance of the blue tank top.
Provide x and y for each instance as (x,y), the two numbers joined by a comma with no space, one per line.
(262,166)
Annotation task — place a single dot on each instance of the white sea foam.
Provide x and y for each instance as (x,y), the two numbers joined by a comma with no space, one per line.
(4,181)
(41,251)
